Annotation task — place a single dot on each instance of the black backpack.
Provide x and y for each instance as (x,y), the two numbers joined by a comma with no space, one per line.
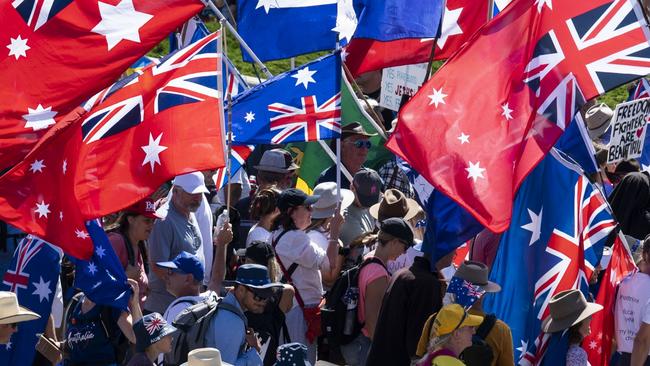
(480,353)
(335,314)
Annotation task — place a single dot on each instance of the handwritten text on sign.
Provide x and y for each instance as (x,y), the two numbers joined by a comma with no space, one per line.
(628,130)
(399,81)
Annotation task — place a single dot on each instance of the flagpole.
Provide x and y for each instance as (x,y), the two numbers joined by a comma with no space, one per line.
(241,41)
(433,45)
(332,156)
(374,118)
(224,52)
(490,12)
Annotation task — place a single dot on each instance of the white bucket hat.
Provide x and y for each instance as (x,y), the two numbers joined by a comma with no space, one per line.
(11,312)
(191,183)
(326,204)
(205,357)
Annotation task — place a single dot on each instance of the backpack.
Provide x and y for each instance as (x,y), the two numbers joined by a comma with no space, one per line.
(480,353)
(340,323)
(193,324)
(120,343)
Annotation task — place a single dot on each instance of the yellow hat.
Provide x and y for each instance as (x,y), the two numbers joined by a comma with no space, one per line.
(452,317)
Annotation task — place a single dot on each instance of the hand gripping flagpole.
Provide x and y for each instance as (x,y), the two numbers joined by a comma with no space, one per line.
(241,41)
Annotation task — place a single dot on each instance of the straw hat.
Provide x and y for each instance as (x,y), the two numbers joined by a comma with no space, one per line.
(326,204)
(568,308)
(11,312)
(205,357)
(598,119)
(477,274)
(394,204)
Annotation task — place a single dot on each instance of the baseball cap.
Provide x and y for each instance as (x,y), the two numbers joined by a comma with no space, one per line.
(191,183)
(185,263)
(150,329)
(146,208)
(256,278)
(294,197)
(398,228)
(259,251)
(277,161)
(368,187)
(452,317)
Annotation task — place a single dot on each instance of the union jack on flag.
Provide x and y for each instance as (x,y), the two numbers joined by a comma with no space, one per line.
(303,104)
(18,277)
(553,244)
(193,80)
(154,323)
(465,293)
(38,12)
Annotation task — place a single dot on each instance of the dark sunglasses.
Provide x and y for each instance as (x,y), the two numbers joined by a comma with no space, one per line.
(256,296)
(360,144)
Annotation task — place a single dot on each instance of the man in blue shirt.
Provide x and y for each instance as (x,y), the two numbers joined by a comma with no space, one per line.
(229,331)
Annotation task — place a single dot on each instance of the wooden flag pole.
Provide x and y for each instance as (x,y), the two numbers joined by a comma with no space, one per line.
(376,120)
(241,41)
(433,46)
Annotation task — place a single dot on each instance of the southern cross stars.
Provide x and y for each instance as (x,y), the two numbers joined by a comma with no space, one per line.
(464,139)
(506,111)
(18,47)
(92,268)
(120,22)
(152,151)
(42,209)
(37,166)
(475,171)
(250,117)
(100,251)
(39,118)
(304,77)
(437,97)
(81,234)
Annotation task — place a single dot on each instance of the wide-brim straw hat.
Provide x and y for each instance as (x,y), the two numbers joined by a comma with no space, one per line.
(568,308)
(394,204)
(11,312)
(205,357)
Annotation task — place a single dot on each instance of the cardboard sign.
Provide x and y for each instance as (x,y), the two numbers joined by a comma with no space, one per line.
(628,130)
(398,81)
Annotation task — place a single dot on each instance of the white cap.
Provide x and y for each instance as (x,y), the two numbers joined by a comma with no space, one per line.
(191,183)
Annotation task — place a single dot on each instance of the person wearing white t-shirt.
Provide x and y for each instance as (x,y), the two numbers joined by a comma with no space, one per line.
(264,210)
(632,314)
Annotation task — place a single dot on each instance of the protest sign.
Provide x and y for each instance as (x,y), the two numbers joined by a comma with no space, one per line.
(628,130)
(399,81)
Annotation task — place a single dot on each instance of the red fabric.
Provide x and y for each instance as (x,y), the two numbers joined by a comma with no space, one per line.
(599,343)
(66,61)
(312,318)
(65,181)
(479,152)
(368,55)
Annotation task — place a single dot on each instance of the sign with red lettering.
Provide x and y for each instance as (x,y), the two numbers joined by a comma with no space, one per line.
(399,81)
(628,130)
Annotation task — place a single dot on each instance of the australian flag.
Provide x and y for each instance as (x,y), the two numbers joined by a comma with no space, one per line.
(303,104)
(33,275)
(465,293)
(102,278)
(293,27)
(576,143)
(560,224)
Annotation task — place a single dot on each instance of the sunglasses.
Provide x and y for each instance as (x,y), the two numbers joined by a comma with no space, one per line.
(256,297)
(360,144)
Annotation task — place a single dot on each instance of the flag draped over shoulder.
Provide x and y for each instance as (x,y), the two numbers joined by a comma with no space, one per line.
(492,125)
(59,52)
(461,18)
(33,275)
(135,136)
(303,104)
(560,224)
(277,29)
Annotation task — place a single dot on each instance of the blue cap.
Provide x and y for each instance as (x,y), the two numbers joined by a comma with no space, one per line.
(256,277)
(150,329)
(185,263)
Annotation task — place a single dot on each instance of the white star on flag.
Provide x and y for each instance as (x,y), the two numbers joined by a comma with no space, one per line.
(506,111)
(42,290)
(304,77)
(346,20)
(437,97)
(593,345)
(152,151)
(534,226)
(39,118)
(450,26)
(42,209)
(37,166)
(120,22)
(18,47)
(8,345)
(283,4)
(100,251)
(65,166)
(344,54)
(475,171)
(81,234)
(61,215)
(92,268)
(464,139)
(522,350)
(540,4)
(250,117)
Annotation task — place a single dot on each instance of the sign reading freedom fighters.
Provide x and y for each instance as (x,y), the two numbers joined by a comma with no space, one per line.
(399,81)
(628,130)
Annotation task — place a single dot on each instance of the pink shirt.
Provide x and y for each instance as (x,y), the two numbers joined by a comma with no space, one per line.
(119,246)
(368,274)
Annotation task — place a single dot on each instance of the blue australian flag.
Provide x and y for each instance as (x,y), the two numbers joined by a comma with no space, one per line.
(102,278)
(465,293)
(33,275)
(575,143)
(560,224)
(389,20)
(277,29)
(303,104)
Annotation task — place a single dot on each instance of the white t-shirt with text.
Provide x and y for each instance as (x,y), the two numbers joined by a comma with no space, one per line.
(632,308)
